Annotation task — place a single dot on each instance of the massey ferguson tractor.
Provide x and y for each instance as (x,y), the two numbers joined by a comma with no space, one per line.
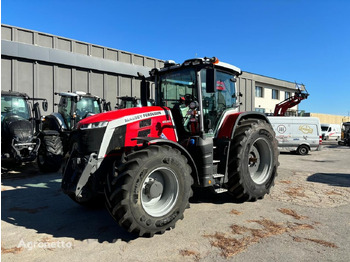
(146,159)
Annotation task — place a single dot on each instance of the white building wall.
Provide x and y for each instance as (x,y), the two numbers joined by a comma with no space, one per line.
(268,83)
(267,102)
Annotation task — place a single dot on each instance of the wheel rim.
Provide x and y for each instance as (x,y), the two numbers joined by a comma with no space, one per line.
(160,191)
(303,150)
(260,161)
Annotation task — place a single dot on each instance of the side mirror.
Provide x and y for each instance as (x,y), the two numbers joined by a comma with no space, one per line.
(45,105)
(211,80)
(106,106)
(77,99)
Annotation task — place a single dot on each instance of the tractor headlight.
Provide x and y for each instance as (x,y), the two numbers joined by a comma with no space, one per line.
(94,125)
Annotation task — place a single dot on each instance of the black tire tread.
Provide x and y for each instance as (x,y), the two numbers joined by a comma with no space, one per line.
(235,185)
(52,148)
(116,190)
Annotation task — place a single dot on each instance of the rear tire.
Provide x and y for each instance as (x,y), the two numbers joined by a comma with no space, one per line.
(303,150)
(50,154)
(150,190)
(253,160)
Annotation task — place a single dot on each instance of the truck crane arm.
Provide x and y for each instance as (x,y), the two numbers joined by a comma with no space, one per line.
(282,107)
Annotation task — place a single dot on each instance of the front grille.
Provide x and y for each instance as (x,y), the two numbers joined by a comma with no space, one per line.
(90,140)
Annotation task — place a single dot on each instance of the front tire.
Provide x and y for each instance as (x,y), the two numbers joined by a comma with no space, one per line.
(150,190)
(253,160)
(50,154)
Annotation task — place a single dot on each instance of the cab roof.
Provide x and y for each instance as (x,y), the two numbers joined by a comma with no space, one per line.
(171,65)
(14,93)
(76,93)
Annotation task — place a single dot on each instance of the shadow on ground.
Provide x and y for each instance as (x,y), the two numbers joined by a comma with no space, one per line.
(38,203)
(206,195)
(35,201)
(336,179)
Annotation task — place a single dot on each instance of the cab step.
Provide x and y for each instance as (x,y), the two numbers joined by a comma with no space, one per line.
(218,175)
(220,190)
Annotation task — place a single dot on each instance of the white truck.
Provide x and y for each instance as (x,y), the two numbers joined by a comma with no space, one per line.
(300,134)
(331,131)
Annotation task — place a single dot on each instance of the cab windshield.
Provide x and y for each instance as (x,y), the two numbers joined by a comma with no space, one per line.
(12,105)
(176,85)
(177,90)
(87,105)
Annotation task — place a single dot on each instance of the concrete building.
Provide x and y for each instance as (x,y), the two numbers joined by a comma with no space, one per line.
(270,91)
(41,64)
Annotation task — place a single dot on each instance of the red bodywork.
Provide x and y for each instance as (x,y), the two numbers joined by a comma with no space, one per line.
(226,128)
(153,121)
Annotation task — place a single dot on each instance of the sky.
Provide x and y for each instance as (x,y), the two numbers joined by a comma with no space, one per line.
(304,41)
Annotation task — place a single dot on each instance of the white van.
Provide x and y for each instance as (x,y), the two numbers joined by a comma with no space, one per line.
(331,131)
(300,134)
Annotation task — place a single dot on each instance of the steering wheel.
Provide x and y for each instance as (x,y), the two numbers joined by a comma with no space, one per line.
(8,109)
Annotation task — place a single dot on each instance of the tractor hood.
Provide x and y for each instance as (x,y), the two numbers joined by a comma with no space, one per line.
(106,132)
(17,127)
(125,116)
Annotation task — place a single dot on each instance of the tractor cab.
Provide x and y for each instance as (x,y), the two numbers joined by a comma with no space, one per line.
(14,105)
(20,126)
(198,92)
(74,106)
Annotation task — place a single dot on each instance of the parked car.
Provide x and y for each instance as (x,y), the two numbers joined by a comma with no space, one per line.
(331,131)
(300,134)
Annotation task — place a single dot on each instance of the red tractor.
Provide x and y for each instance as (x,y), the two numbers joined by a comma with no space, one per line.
(145,160)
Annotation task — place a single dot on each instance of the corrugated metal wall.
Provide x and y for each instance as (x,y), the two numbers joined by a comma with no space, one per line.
(41,77)
(41,64)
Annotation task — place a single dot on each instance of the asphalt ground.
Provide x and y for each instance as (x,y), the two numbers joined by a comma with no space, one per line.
(306,217)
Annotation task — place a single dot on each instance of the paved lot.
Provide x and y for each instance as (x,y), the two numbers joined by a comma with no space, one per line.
(305,218)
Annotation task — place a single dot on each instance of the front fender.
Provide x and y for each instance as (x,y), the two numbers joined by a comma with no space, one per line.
(159,141)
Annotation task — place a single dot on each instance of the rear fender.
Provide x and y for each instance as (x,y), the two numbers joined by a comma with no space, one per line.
(229,124)
(54,122)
